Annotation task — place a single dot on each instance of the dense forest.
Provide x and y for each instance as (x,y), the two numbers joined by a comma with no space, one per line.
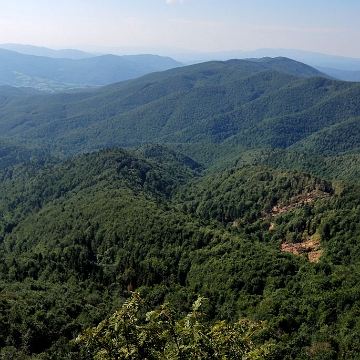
(209,211)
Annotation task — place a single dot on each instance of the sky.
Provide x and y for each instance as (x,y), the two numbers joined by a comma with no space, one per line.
(330,27)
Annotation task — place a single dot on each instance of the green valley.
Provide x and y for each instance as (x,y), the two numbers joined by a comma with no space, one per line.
(234,185)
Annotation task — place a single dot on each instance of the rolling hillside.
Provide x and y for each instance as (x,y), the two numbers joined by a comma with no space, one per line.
(77,236)
(261,103)
(231,188)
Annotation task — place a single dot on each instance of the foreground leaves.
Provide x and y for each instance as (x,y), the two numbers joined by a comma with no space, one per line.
(128,334)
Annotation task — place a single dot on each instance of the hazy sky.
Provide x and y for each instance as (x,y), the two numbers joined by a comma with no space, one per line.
(327,26)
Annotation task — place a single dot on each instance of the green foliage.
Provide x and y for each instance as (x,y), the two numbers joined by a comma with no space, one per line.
(219,157)
(212,216)
(249,193)
(158,335)
(12,153)
(79,235)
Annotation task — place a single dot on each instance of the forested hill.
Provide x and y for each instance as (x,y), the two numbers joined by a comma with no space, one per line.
(210,102)
(238,105)
(267,244)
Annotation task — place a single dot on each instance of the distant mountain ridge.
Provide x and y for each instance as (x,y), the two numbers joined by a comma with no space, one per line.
(50,74)
(285,65)
(347,75)
(340,67)
(308,57)
(44,51)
